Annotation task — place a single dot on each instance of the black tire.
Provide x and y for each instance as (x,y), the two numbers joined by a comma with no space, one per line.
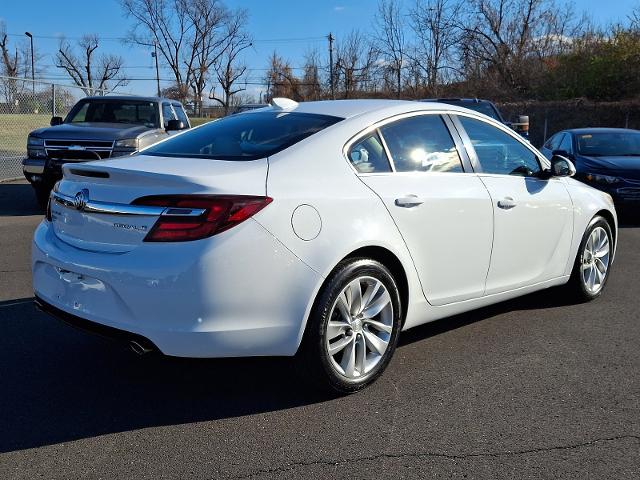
(314,361)
(42,195)
(577,286)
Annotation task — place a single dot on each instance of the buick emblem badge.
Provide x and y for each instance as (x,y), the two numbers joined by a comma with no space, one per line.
(81,198)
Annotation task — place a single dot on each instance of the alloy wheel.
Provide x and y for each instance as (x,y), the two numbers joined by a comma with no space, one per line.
(359,327)
(595,260)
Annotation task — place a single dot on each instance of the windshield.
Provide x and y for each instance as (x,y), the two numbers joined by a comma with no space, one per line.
(244,137)
(613,144)
(485,108)
(115,111)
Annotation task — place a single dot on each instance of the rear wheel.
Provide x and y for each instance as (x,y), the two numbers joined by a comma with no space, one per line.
(593,262)
(353,329)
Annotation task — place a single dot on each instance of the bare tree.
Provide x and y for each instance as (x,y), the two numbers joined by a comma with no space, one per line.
(15,63)
(191,37)
(355,61)
(504,40)
(311,81)
(390,33)
(87,69)
(227,66)
(215,29)
(280,80)
(434,23)
(168,25)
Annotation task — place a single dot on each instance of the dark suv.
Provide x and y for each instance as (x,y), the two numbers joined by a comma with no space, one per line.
(98,128)
(487,108)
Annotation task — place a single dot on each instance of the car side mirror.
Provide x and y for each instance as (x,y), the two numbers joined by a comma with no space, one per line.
(562,167)
(55,121)
(175,125)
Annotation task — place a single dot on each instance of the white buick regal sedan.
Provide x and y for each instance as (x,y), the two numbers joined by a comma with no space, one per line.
(319,230)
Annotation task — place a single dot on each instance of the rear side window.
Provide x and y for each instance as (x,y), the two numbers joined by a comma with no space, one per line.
(421,143)
(244,137)
(367,155)
(499,152)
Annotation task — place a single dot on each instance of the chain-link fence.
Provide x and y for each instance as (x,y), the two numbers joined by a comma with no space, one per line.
(24,106)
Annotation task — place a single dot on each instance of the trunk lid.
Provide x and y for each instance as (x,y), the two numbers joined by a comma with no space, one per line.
(107,222)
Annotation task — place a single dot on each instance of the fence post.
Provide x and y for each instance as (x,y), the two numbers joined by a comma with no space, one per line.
(544,139)
(53,100)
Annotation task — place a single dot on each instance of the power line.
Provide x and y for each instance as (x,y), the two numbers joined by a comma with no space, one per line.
(126,39)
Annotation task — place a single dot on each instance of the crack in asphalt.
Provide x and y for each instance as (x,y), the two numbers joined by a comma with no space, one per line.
(451,456)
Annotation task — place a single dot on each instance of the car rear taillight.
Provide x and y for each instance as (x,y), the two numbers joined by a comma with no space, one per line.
(221,212)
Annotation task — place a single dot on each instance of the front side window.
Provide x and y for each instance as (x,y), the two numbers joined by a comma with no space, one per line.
(421,143)
(565,144)
(243,137)
(167,114)
(498,152)
(554,142)
(181,115)
(367,155)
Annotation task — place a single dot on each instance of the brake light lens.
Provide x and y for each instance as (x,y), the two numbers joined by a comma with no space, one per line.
(221,212)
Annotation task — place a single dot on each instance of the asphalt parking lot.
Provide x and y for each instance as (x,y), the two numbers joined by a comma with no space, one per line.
(533,388)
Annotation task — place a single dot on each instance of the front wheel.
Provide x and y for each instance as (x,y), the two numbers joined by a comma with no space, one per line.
(353,328)
(593,262)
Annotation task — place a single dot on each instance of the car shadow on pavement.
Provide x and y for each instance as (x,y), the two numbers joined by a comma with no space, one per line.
(18,199)
(58,384)
(548,298)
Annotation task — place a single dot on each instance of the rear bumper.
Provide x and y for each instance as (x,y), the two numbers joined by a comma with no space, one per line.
(85,325)
(240,293)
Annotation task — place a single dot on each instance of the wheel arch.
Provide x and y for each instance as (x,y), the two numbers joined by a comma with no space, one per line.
(609,217)
(374,252)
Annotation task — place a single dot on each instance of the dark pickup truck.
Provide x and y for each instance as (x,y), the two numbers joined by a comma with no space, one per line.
(97,128)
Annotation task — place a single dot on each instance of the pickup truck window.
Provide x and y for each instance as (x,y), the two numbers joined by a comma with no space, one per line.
(167,114)
(180,112)
(114,111)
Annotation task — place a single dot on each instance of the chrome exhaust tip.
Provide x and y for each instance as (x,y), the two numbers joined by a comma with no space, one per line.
(139,349)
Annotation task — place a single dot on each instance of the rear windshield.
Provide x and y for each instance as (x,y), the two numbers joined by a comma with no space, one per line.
(244,137)
(132,112)
(609,144)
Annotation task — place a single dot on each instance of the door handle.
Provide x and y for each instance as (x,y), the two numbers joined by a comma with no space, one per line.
(507,203)
(409,201)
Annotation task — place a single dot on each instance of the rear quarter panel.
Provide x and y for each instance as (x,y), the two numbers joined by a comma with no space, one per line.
(316,173)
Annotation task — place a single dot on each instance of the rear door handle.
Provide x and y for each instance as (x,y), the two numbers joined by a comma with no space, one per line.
(409,201)
(507,203)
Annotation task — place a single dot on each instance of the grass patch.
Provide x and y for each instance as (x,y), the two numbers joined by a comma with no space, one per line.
(15,128)
(195,121)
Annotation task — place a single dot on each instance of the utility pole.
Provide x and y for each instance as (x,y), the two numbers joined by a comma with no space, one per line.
(155,55)
(33,71)
(331,77)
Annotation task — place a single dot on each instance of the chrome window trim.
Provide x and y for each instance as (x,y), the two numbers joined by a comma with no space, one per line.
(380,123)
(542,160)
(93,206)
